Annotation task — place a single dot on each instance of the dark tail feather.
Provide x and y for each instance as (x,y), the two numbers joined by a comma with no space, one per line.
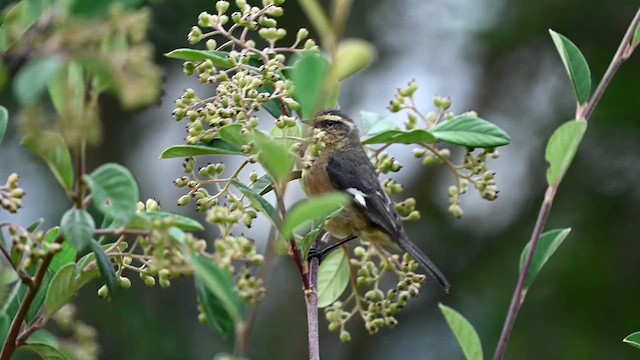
(427,264)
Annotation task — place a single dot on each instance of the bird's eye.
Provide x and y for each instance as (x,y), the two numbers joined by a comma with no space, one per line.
(332,123)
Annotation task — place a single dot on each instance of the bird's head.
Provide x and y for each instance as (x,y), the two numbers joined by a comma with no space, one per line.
(339,128)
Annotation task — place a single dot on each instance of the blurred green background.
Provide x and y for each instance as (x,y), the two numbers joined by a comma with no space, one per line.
(492,56)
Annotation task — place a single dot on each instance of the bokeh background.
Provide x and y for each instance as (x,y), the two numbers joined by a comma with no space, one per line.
(492,56)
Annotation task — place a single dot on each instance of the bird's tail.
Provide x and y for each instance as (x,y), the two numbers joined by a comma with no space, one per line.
(427,264)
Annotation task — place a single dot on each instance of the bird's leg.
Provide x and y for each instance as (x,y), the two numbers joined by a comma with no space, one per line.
(319,253)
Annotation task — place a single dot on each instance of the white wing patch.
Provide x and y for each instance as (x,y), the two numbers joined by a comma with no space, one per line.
(358,196)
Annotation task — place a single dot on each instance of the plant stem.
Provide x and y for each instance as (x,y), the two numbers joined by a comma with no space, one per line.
(11,342)
(519,293)
(623,52)
(311,301)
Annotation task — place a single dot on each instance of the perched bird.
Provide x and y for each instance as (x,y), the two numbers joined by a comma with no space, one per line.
(343,165)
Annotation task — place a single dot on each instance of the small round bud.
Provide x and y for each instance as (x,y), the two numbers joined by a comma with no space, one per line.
(124,282)
(345,336)
(103,292)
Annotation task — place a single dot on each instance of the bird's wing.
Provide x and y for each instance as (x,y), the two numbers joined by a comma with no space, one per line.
(361,181)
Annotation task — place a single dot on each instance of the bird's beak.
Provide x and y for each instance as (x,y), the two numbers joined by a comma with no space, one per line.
(306,122)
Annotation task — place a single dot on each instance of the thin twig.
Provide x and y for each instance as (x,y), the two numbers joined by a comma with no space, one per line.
(14,330)
(585,113)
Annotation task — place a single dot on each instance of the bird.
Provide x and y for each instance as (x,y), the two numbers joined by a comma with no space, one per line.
(343,165)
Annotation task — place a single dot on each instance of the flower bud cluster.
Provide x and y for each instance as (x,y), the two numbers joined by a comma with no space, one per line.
(11,195)
(377,307)
(246,76)
(385,164)
(28,248)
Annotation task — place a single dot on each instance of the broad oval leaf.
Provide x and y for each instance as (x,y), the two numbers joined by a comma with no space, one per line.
(215,147)
(576,66)
(633,339)
(561,149)
(313,209)
(258,202)
(547,245)
(416,136)
(464,332)
(374,123)
(309,75)
(105,267)
(46,351)
(33,78)
(61,290)
(333,277)
(223,301)
(274,157)
(353,55)
(52,148)
(218,58)
(77,227)
(67,90)
(4,120)
(66,256)
(470,131)
(115,191)
(217,316)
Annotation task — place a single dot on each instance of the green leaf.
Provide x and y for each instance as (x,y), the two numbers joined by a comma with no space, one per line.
(333,277)
(34,309)
(220,284)
(231,133)
(274,157)
(215,147)
(52,148)
(34,226)
(313,209)
(46,351)
(353,55)
(105,266)
(417,136)
(309,74)
(33,78)
(61,290)
(547,245)
(636,37)
(4,120)
(633,339)
(258,202)
(470,131)
(67,90)
(576,66)
(466,335)
(5,323)
(218,58)
(561,149)
(66,256)
(263,185)
(115,191)
(217,316)
(374,123)
(77,227)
